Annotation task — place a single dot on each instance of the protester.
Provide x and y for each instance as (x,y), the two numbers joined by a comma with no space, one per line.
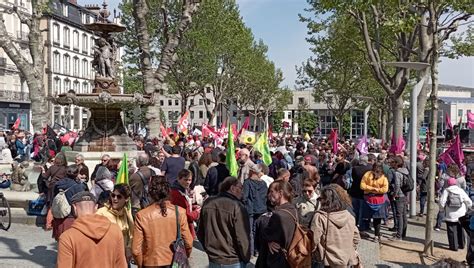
(116,211)
(103,163)
(216,175)
(263,175)
(455,203)
(226,244)
(173,165)
(180,195)
(283,175)
(70,185)
(83,169)
(52,175)
(375,186)
(244,164)
(335,234)
(400,197)
(355,192)
(204,163)
(308,203)
(254,199)
(156,228)
(282,224)
(422,183)
(92,240)
(197,177)
(139,184)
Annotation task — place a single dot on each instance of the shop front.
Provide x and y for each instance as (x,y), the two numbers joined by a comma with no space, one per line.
(10,111)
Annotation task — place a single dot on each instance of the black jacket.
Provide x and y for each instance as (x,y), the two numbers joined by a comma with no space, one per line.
(281,228)
(198,178)
(215,175)
(224,230)
(357,174)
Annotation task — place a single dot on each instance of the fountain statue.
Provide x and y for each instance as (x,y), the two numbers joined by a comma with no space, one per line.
(105,131)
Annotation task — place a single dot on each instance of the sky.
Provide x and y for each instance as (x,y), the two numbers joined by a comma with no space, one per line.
(276,23)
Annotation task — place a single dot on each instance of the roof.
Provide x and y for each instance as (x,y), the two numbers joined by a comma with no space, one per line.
(456,100)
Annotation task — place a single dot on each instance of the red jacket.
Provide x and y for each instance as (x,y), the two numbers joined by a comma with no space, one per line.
(178,199)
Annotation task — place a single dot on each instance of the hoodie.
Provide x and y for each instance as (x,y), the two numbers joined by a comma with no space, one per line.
(336,239)
(92,241)
(255,196)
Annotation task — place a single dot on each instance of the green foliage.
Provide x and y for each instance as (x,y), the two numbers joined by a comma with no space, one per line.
(276,121)
(307,120)
(462,45)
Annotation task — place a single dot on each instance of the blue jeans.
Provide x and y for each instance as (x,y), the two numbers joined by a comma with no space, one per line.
(235,265)
(357,205)
(423,196)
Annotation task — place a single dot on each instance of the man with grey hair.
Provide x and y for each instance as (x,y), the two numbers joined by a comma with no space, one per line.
(244,164)
(139,184)
(83,169)
(104,160)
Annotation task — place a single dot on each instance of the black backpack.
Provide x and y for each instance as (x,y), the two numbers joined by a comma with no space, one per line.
(407,183)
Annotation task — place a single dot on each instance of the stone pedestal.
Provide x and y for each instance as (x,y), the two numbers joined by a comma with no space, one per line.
(106,84)
(105,132)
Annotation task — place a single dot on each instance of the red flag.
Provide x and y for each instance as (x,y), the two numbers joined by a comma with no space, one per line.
(233,127)
(470,120)
(183,123)
(454,152)
(448,122)
(245,125)
(460,122)
(164,133)
(333,139)
(400,144)
(206,130)
(16,125)
(393,144)
(270,132)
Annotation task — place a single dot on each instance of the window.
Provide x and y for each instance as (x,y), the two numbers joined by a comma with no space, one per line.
(65,10)
(66,64)
(85,87)
(56,62)
(460,113)
(201,114)
(66,37)
(176,102)
(201,102)
(67,85)
(170,102)
(208,101)
(92,44)
(192,114)
(83,17)
(56,37)
(75,67)
(291,100)
(76,86)
(57,114)
(301,101)
(170,115)
(162,103)
(85,43)
(208,89)
(85,68)
(75,40)
(57,85)
(191,102)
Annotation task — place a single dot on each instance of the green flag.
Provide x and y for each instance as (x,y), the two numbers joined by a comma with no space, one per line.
(122,175)
(231,162)
(262,146)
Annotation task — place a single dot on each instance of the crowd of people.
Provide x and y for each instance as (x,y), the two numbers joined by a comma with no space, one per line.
(180,190)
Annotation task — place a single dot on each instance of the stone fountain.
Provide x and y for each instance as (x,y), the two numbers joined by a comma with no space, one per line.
(105,132)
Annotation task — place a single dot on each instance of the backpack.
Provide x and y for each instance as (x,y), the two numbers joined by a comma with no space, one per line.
(299,252)
(60,206)
(454,200)
(407,184)
(145,199)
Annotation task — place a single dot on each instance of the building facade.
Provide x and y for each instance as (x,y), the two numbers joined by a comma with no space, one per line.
(69,57)
(14,96)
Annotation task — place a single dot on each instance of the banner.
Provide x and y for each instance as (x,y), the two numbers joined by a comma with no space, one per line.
(363,146)
(231,161)
(448,121)
(453,154)
(333,140)
(183,123)
(164,133)
(470,120)
(245,125)
(208,131)
(248,137)
(264,148)
(16,125)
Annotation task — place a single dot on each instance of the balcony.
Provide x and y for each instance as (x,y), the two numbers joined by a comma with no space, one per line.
(14,95)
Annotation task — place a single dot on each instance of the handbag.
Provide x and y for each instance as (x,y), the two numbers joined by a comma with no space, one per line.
(180,258)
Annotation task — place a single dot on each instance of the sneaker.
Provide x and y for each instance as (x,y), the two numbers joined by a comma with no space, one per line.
(437,229)
(395,238)
(378,239)
(393,229)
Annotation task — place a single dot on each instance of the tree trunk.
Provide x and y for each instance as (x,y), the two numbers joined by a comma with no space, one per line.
(429,244)
(383,129)
(397,116)
(184,103)
(254,122)
(425,52)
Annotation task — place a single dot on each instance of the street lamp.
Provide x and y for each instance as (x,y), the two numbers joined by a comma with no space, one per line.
(413,120)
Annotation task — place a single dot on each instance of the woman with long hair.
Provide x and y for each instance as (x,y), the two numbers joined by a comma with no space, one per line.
(115,210)
(335,233)
(155,228)
(375,186)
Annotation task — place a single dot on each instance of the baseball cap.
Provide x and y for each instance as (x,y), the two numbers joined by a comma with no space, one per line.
(82,197)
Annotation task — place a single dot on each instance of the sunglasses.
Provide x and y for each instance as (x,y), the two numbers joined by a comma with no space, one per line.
(307,191)
(105,160)
(118,196)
